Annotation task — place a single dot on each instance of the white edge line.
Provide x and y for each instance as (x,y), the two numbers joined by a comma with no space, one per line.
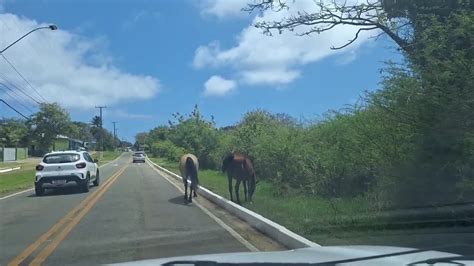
(16,193)
(30,189)
(257,216)
(231,231)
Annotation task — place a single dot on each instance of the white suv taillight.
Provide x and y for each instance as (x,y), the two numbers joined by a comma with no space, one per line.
(81,165)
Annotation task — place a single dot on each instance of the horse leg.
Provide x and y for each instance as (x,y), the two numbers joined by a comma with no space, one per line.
(185,189)
(245,189)
(194,191)
(190,199)
(237,188)
(229,178)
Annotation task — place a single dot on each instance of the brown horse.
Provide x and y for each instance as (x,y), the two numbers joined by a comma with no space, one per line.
(189,167)
(239,167)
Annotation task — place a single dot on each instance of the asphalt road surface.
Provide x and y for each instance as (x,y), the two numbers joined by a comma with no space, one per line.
(134,214)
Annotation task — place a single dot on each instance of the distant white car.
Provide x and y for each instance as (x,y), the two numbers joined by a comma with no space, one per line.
(60,169)
(139,156)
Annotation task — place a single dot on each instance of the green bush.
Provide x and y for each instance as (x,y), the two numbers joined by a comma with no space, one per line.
(166,149)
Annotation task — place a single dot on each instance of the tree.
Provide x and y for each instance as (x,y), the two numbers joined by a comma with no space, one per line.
(401,20)
(13,132)
(51,120)
(96,121)
(159,133)
(81,131)
(140,140)
(195,134)
(126,143)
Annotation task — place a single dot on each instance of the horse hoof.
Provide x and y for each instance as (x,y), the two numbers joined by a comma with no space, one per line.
(190,200)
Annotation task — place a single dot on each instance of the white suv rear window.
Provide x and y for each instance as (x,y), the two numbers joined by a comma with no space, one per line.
(61,158)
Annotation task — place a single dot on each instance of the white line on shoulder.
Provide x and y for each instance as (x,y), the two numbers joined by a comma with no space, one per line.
(231,231)
(17,193)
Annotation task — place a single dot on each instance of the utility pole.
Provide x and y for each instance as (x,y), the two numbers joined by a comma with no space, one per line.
(101,142)
(115,135)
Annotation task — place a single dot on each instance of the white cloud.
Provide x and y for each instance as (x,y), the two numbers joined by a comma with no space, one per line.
(205,55)
(125,114)
(68,68)
(218,86)
(278,59)
(269,76)
(224,8)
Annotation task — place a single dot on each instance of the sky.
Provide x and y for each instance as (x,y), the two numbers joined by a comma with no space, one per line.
(146,60)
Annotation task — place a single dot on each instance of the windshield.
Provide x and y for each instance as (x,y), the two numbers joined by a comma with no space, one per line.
(226,126)
(61,158)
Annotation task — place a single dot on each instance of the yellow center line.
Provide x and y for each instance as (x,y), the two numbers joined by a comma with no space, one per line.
(44,254)
(67,218)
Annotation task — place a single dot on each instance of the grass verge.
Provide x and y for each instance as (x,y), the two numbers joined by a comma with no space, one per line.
(107,156)
(17,180)
(316,218)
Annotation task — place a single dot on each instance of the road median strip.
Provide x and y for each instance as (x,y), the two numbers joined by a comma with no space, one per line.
(55,235)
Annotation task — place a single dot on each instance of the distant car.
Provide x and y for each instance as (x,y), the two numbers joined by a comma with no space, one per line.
(65,168)
(138,156)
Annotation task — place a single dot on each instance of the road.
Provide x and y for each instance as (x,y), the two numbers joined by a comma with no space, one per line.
(134,214)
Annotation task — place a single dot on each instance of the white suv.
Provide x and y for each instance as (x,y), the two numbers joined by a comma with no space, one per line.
(59,169)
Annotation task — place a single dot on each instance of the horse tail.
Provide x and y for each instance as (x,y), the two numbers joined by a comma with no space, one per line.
(191,168)
(252,178)
(227,160)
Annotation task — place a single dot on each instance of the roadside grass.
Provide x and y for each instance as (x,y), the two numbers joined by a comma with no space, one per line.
(18,179)
(316,218)
(9,164)
(107,156)
(172,166)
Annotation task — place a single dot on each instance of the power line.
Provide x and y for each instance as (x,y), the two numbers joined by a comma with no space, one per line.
(5,88)
(15,99)
(16,87)
(23,77)
(9,87)
(18,112)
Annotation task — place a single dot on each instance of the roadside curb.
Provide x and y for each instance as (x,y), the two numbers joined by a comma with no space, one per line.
(276,231)
(6,170)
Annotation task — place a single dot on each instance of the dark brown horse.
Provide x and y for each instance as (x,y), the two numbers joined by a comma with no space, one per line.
(240,168)
(189,167)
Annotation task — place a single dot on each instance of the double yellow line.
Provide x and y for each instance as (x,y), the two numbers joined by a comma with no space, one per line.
(63,227)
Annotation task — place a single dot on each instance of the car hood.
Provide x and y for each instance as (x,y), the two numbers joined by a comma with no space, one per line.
(330,255)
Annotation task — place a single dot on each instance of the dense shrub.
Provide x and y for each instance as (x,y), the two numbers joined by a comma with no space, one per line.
(166,149)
